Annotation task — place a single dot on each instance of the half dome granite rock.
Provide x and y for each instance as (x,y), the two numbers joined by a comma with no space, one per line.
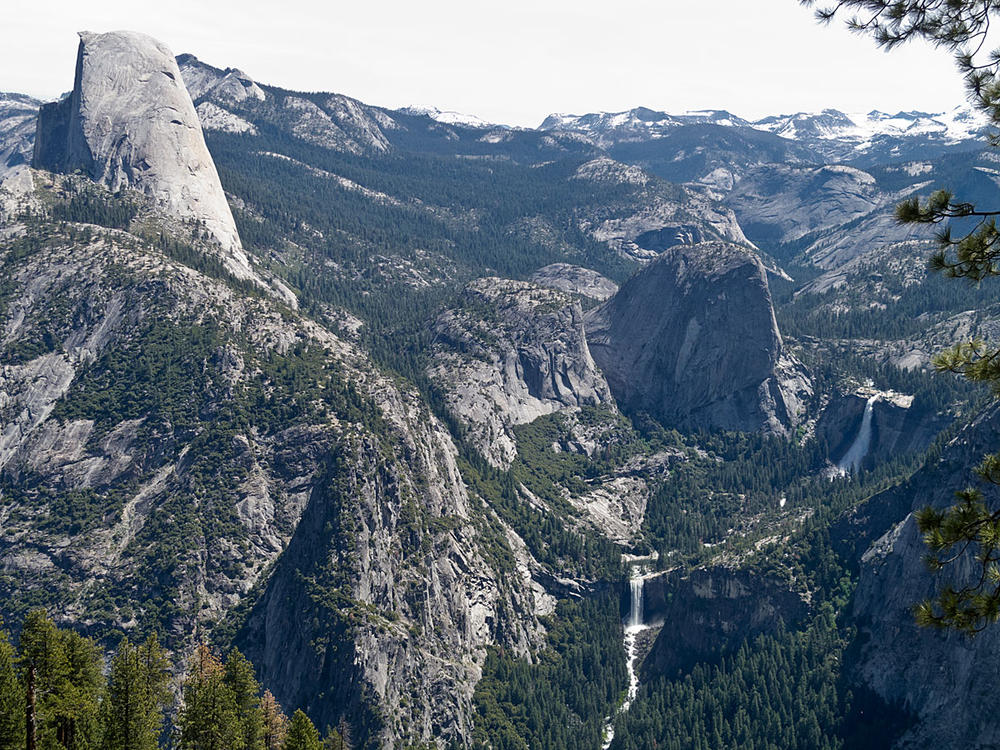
(692,339)
(130,123)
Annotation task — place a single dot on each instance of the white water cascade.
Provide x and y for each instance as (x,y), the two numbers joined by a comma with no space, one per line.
(635,586)
(851,461)
(633,626)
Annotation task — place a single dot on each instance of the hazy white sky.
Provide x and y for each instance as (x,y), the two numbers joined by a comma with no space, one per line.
(510,61)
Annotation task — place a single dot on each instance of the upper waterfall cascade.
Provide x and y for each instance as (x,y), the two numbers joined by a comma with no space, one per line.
(851,461)
(635,602)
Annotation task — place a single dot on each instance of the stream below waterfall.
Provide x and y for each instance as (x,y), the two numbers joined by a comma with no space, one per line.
(632,626)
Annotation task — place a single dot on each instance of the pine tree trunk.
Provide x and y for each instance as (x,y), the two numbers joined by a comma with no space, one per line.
(29,712)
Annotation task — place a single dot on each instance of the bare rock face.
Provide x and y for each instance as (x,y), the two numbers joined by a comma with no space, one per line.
(712,610)
(130,123)
(238,104)
(17,130)
(510,354)
(575,280)
(692,339)
(230,85)
(783,202)
(943,679)
(900,424)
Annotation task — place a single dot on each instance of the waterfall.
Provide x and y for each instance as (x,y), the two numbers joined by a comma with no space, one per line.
(633,626)
(635,586)
(851,461)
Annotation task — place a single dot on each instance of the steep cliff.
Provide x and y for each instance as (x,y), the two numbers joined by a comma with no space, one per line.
(946,680)
(129,123)
(511,353)
(692,339)
(711,610)
(17,130)
(900,424)
(179,454)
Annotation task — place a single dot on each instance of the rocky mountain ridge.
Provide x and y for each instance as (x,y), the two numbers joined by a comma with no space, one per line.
(511,353)
(384,496)
(831,132)
(129,123)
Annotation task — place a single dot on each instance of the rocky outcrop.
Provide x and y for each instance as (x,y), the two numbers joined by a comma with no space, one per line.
(944,679)
(329,120)
(511,353)
(605,169)
(17,130)
(129,123)
(900,424)
(575,280)
(659,215)
(155,468)
(709,611)
(692,339)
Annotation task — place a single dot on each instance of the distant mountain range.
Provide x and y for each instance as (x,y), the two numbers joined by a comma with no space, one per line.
(830,130)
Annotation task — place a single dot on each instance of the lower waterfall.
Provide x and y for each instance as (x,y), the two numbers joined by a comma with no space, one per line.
(633,625)
(851,461)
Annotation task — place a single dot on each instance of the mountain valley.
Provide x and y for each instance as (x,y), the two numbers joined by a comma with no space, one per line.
(397,402)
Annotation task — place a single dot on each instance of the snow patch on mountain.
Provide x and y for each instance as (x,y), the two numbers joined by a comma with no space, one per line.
(859,131)
(956,125)
(448,117)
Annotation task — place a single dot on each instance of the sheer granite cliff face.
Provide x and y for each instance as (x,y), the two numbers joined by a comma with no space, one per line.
(511,353)
(712,610)
(155,469)
(947,681)
(692,339)
(17,131)
(129,123)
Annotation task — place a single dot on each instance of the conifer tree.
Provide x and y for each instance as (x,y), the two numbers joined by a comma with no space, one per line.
(75,706)
(302,735)
(137,692)
(333,740)
(62,679)
(208,719)
(239,677)
(11,698)
(275,722)
(37,663)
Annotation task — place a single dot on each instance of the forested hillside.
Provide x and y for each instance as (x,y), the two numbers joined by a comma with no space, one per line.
(498,439)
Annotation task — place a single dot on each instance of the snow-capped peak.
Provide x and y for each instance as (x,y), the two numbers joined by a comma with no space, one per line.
(447,117)
(830,130)
(959,124)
